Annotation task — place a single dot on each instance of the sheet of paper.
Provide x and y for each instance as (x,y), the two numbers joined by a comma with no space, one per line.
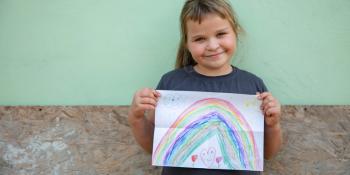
(208,130)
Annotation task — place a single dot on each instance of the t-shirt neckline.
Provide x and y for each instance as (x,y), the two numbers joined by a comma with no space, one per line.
(194,73)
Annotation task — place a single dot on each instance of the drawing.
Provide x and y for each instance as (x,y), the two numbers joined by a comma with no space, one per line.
(218,160)
(194,158)
(216,120)
(171,101)
(208,157)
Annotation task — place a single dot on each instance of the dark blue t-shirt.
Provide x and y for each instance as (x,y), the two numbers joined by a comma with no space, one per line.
(187,79)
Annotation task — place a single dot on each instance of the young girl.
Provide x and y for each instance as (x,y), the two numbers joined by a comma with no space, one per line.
(209,33)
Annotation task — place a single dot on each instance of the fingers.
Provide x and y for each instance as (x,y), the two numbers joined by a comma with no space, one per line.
(144,107)
(268,100)
(148,101)
(145,99)
(267,104)
(272,116)
(270,107)
(147,96)
(264,95)
(272,110)
(147,92)
(156,93)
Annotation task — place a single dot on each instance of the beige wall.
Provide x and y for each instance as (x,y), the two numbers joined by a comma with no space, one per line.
(98,140)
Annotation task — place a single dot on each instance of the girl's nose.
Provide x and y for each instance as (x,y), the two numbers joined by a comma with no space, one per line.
(213,44)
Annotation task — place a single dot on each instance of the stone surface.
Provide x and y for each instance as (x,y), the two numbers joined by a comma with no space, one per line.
(89,140)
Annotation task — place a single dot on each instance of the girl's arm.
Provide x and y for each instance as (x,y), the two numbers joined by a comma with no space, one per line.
(273,134)
(273,141)
(142,125)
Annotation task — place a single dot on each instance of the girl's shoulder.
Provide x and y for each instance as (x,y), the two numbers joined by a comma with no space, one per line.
(171,78)
(251,81)
(177,73)
(246,75)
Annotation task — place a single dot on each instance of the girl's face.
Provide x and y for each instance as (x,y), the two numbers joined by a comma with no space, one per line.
(212,44)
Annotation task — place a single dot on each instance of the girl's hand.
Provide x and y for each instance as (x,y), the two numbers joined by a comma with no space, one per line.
(144,99)
(271,109)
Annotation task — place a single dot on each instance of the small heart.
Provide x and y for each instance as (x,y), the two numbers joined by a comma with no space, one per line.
(218,159)
(208,156)
(194,157)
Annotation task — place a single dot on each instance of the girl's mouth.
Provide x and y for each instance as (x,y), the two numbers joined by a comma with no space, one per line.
(215,54)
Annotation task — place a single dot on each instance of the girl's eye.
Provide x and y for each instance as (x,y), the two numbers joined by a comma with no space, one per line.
(199,39)
(221,34)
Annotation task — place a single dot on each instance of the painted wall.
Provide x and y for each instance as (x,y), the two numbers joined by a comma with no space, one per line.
(87,52)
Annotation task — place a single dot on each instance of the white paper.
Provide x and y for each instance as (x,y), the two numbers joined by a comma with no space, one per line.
(208,130)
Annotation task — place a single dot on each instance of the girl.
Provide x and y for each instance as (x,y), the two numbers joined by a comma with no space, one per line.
(209,33)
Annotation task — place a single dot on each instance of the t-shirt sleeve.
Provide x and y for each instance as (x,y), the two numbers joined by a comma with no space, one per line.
(161,84)
(261,86)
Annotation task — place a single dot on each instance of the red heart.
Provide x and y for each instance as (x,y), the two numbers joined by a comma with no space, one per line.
(194,157)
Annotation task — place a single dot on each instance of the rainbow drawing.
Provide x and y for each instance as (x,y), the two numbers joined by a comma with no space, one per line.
(204,119)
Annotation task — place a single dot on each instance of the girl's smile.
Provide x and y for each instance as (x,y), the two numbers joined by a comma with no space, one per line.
(215,55)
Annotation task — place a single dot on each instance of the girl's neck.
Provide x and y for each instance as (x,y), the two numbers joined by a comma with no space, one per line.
(213,72)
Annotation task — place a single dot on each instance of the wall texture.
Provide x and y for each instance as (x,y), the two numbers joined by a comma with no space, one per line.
(88,140)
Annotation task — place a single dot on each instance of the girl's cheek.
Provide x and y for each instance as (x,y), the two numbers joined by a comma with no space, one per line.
(197,49)
(231,46)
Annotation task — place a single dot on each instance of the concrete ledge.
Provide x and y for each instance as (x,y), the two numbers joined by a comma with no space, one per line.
(97,140)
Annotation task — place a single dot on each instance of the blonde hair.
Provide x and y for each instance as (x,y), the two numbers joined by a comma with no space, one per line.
(195,10)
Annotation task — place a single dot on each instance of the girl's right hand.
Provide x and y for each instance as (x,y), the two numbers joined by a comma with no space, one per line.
(144,99)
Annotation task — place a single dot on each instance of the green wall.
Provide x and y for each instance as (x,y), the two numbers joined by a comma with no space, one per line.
(88,52)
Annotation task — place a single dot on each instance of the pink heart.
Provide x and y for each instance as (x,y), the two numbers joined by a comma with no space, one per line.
(218,159)
(208,156)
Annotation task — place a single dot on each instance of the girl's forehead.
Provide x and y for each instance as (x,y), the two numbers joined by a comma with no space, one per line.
(200,18)
(208,21)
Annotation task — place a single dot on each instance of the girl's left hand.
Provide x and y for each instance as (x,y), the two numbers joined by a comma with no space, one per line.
(271,109)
